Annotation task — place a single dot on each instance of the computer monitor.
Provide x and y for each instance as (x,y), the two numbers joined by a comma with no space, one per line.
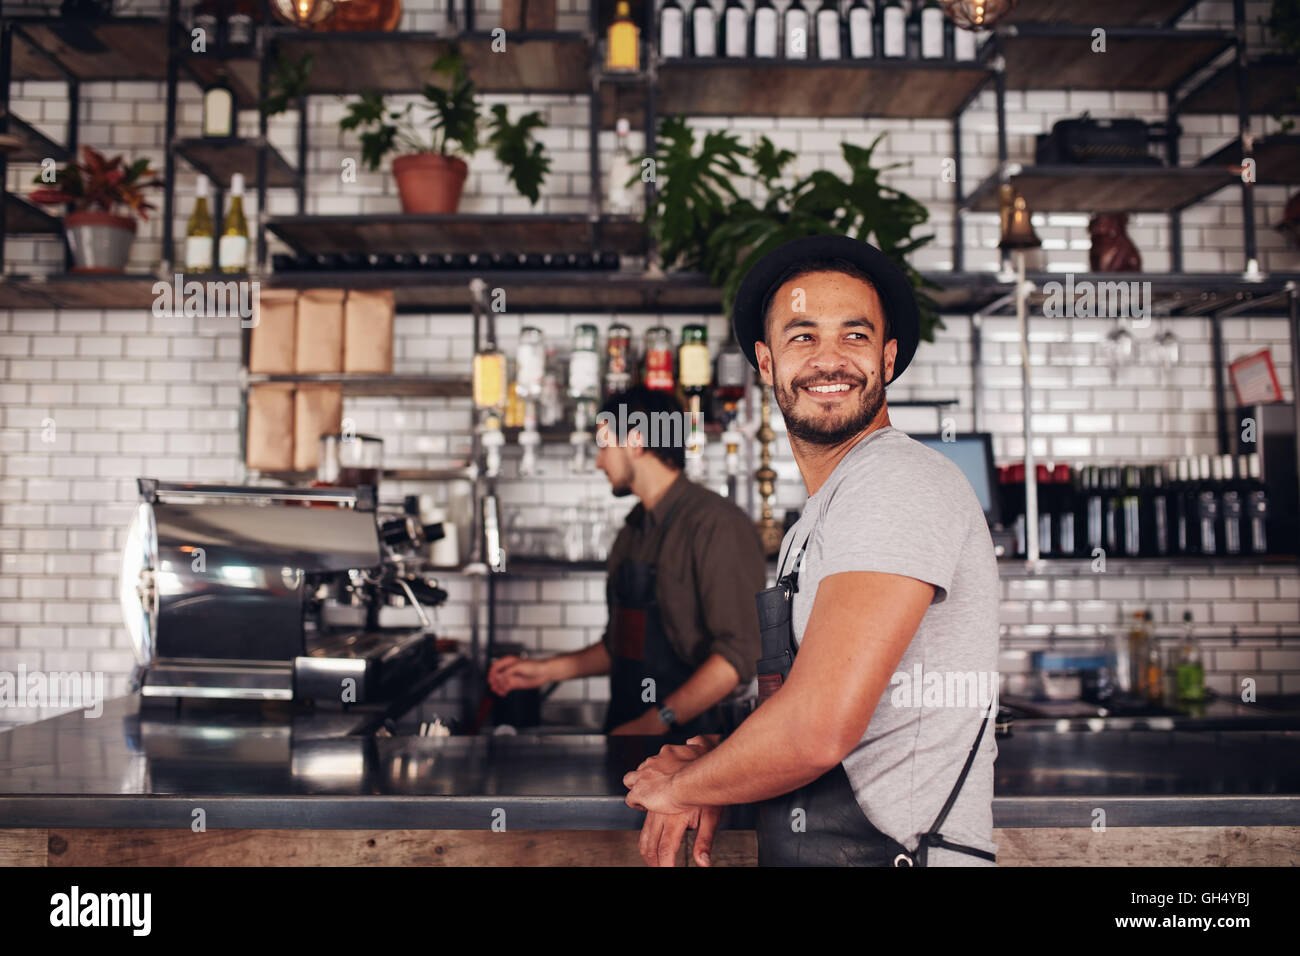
(973,454)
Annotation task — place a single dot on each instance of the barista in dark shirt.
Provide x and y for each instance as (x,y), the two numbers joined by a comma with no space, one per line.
(683,628)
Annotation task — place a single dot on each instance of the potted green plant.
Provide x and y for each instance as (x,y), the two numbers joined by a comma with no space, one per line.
(430,169)
(106,195)
(701,221)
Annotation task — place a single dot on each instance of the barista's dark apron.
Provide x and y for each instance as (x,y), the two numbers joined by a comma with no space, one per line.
(639,649)
(831,829)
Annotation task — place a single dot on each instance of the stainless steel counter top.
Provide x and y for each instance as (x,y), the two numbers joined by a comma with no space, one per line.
(278,770)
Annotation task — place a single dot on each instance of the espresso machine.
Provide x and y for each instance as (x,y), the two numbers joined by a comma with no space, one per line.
(274,594)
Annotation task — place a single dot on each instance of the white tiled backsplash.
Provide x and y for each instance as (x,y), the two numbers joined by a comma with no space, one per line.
(131,394)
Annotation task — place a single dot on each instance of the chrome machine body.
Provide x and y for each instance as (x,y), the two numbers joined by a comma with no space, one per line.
(227,593)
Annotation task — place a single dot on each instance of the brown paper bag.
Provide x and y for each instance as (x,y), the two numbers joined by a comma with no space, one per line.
(320,330)
(270,428)
(368,331)
(318,410)
(271,340)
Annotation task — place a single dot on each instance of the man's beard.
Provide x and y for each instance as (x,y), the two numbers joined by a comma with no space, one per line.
(813,431)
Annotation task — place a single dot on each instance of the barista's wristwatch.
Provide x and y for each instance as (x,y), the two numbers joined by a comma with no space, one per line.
(669,718)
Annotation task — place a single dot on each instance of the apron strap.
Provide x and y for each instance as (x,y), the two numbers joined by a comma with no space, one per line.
(933,837)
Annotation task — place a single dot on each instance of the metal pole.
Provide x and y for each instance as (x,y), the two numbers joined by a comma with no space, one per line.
(1294,328)
(1220,412)
(6,68)
(1243,132)
(1031,470)
(958,224)
(977,369)
(1176,214)
(169,145)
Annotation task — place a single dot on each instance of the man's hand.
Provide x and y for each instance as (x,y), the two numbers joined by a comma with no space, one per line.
(662,832)
(517,673)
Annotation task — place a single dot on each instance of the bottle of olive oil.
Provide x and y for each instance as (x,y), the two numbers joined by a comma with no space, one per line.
(1189,676)
(232,250)
(198,231)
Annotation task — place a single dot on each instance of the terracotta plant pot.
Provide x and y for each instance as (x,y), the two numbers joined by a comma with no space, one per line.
(430,182)
(100,241)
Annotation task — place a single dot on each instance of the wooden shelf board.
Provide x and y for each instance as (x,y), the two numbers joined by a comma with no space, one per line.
(400,62)
(1075,188)
(364,385)
(77,292)
(1273,81)
(1146,60)
(1277,159)
(117,49)
(457,232)
(219,159)
(848,88)
(24,218)
(36,146)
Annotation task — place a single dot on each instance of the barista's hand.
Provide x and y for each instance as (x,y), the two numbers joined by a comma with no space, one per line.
(517,673)
(667,822)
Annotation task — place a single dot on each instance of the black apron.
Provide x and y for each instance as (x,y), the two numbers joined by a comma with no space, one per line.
(639,649)
(831,830)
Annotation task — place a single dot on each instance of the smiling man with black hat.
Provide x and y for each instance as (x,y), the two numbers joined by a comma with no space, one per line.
(871,743)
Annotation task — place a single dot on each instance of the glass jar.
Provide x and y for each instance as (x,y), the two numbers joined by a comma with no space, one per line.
(584,364)
(530,363)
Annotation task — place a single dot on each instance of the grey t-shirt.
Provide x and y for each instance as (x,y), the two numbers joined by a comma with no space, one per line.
(894,505)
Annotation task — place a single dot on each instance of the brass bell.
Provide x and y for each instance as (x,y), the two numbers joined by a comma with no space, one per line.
(1017,230)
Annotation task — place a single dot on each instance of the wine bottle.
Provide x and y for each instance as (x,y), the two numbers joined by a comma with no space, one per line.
(893,29)
(861,31)
(1230,506)
(219,108)
(829,31)
(1156,514)
(931,23)
(1095,510)
(734,29)
(796,31)
(1130,512)
(704,30)
(964,44)
(1047,505)
(1207,505)
(1256,507)
(198,231)
(232,250)
(672,31)
(1066,540)
(765,28)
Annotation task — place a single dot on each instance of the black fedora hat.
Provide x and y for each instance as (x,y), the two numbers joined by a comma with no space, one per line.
(892,285)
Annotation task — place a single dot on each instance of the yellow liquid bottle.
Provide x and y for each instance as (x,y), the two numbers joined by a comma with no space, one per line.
(623,41)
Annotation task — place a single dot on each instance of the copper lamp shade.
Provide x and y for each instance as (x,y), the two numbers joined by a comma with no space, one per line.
(977,14)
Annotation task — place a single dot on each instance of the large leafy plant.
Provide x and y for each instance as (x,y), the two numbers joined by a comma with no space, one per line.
(703,223)
(97,183)
(448,122)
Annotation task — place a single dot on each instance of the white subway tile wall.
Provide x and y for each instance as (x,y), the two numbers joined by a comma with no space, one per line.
(91,399)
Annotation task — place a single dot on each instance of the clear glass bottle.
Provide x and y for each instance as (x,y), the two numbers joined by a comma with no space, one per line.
(703,31)
(734,29)
(861,30)
(765,28)
(829,31)
(530,363)
(622,198)
(672,31)
(796,31)
(893,29)
(932,23)
(584,365)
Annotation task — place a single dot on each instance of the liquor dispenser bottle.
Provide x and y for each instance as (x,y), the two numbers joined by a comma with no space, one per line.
(584,390)
(765,30)
(1207,506)
(1047,503)
(1094,510)
(1064,508)
(490,385)
(618,359)
(658,374)
(1130,516)
(1156,511)
(693,373)
(796,31)
(729,378)
(1231,506)
(672,31)
(530,371)
(733,29)
(1256,509)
